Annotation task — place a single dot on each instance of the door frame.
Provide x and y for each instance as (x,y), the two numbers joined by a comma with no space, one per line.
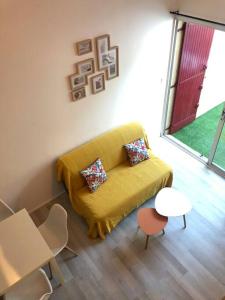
(217,137)
(207,162)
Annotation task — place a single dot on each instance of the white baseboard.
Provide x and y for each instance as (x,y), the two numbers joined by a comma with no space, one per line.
(45,202)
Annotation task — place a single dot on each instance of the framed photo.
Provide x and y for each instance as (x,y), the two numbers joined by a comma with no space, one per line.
(113,67)
(84,47)
(98,83)
(102,44)
(86,67)
(108,58)
(77,81)
(79,94)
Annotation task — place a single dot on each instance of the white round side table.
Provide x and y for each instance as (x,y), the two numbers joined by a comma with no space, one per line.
(170,202)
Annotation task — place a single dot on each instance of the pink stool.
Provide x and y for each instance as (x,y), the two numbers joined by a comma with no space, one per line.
(150,222)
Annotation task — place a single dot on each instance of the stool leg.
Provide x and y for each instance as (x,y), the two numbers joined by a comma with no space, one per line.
(146,242)
(137,229)
(185,225)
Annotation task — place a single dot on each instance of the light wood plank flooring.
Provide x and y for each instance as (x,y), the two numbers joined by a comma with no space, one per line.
(182,264)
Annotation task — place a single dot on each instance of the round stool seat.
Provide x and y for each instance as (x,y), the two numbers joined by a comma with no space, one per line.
(150,222)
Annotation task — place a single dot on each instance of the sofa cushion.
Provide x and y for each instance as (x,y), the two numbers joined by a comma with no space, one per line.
(125,189)
(136,151)
(94,174)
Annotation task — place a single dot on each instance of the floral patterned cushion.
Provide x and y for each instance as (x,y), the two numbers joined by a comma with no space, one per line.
(95,175)
(137,151)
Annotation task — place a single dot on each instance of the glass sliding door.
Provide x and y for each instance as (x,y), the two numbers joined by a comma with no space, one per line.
(217,154)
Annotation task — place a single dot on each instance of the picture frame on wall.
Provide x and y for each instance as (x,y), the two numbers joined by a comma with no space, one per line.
(86,67)
(98,83)
(78,94)
(113,67)
(102,44)
(77,81)
(84,47)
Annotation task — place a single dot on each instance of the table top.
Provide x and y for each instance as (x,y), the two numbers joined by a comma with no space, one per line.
(150,221)
(171,202)
(22,249)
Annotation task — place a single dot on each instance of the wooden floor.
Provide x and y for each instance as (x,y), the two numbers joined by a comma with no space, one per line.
(182,264)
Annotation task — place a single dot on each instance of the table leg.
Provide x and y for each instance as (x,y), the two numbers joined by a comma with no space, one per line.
(71,250)
(56,270)
(146,243)
(50,271)
(184,221)
(163,231)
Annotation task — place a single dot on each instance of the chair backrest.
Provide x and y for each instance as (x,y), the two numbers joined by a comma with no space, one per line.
(5,210)
(49,289)
(56,222)
(36,286)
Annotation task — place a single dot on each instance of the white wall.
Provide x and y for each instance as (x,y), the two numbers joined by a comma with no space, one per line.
(213,92)
(208,9)
(38,121)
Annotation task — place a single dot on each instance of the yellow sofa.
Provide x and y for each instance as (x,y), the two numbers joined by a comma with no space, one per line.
(126,188)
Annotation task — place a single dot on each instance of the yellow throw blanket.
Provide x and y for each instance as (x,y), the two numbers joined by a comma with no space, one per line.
(126,188)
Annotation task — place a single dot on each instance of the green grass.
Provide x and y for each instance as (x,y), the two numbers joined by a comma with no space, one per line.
(199,135)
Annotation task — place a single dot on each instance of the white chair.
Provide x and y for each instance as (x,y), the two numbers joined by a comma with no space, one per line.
(5,210)
(55,232)
(34,287)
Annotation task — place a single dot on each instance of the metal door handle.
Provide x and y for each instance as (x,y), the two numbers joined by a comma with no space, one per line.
(196,106)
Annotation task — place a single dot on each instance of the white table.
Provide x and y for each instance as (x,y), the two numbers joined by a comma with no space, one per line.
(170,202)
(22,250)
